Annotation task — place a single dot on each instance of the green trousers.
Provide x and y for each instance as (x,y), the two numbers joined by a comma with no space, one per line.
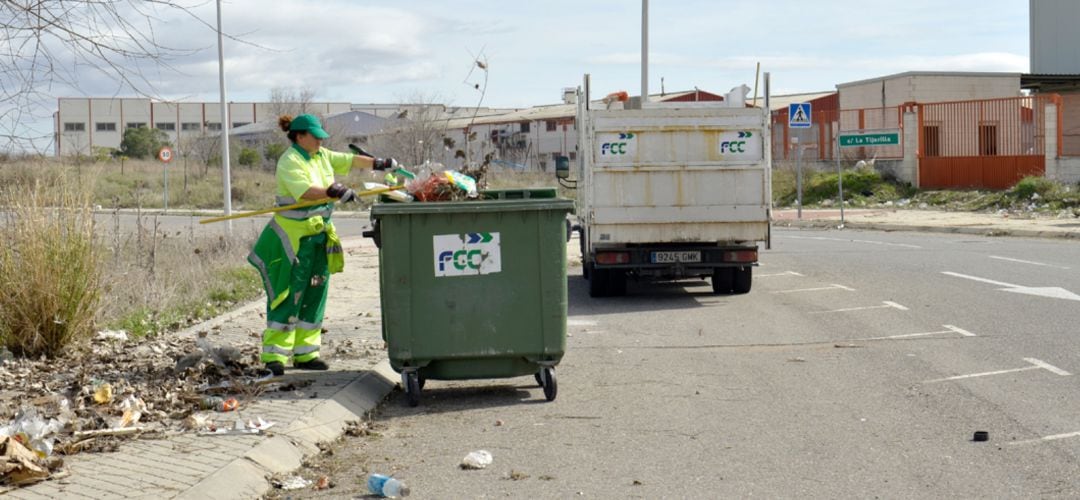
(294,327)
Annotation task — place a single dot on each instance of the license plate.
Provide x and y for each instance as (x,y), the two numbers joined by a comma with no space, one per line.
(671,257)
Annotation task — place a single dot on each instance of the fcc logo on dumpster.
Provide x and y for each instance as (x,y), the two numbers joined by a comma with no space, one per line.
(467,254)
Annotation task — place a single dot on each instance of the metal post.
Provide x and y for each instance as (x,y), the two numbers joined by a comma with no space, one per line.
(840,181)
(225,177)
(166,169)
(798,171)
(644,52)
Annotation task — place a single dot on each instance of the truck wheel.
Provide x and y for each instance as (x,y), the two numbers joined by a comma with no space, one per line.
(722,279)
(742,280)
(598,281)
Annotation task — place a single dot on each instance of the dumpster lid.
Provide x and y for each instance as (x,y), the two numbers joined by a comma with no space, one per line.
(493,200)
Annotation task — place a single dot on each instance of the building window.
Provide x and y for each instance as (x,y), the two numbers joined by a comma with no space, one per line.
(239,124)
(168,126)
(988,140)
(105,127)
(74,127)
(188,127)
(525,127)
(573,156)
(555,157)
(551,125)
(932,140)
(136,125)
(213,126)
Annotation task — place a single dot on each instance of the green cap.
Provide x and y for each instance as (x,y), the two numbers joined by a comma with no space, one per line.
(310,124)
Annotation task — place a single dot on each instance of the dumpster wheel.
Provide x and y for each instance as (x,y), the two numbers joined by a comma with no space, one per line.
(549,383)
(412,388)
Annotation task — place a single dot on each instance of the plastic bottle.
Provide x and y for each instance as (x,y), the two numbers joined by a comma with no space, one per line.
(218,403)
(386,486)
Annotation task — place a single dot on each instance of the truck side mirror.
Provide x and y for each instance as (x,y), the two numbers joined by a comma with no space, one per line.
(562,167)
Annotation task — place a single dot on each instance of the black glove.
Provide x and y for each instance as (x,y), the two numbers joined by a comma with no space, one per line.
(385,164)
(343,193)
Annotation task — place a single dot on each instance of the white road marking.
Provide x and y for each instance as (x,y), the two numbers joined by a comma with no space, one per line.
(830,287)
(983,374)
(961,331)
(1055,437)
(580,322)
(1021,261)
(1047,366)
(847,240)
(785,273)
(887,305)
(1036,365)
(983,280)
(1052,292)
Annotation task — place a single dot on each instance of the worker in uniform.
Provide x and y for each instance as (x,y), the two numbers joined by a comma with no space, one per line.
(299,248)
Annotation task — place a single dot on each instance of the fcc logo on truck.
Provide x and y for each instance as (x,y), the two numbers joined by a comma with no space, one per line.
(467,254)
(616,147)
(741,145)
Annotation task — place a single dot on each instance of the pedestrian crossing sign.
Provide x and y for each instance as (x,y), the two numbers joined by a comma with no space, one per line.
(799,115)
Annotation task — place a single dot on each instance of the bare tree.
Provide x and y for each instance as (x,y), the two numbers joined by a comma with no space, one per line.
(44,43)
(290,101)
(419,134)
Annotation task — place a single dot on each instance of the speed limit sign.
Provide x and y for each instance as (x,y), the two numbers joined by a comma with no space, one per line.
(165,154)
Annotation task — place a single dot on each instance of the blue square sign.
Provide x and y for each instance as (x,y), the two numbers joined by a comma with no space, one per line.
(799,115)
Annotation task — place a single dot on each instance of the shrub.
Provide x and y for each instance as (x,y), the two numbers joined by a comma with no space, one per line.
(50,267)
(274,150)
(248,157)
(1033,185)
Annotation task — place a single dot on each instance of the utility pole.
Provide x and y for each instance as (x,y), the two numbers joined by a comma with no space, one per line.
(225,177)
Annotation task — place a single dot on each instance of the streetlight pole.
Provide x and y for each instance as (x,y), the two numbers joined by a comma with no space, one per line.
(225,177)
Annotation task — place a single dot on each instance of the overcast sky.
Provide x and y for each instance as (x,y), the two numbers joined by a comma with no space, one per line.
(377,51)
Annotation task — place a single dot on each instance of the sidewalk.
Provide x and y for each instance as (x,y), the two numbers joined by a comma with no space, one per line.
(932,221)
(186,465)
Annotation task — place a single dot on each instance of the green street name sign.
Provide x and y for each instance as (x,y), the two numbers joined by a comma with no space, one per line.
(870,139)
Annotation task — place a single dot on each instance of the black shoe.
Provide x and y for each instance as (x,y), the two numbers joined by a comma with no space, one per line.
(315,364)
(275,368)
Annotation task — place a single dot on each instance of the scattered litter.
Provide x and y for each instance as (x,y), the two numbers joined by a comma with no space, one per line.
(239,427)
(637,483)
(386,486)
(981,436)
(119,335)
(218,403)
(846,346)
(323,483)
(198,422)
(476,460)
(357,428)
(103,393)
(133,409)
(18,465)
(796,360)
(292,483)
(517,475)
(498,423)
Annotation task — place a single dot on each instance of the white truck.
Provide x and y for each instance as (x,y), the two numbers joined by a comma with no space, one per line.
(671,191)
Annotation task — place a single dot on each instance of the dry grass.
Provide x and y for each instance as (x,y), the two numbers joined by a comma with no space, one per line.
(71,275)
(141,183)
(161,281)
(50,266)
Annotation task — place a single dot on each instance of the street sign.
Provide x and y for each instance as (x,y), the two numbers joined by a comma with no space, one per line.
(863,139)
(165,154)
(799,115)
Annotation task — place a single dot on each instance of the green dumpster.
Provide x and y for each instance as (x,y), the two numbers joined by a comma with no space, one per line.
(474,289)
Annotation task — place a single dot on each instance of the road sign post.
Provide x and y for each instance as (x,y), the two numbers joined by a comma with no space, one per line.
(165,154)
(799,116)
